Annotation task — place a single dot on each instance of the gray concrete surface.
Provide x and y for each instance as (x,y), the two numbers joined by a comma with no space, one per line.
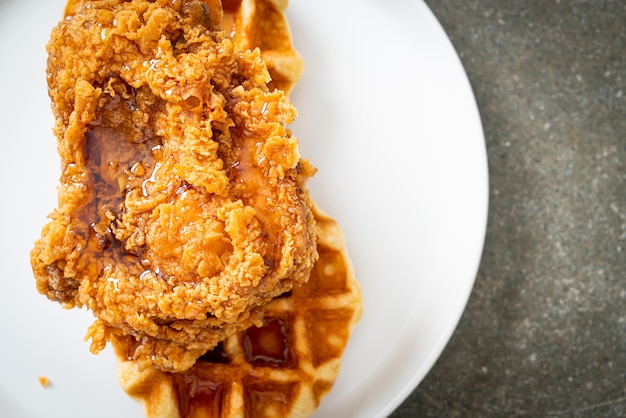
(544,333)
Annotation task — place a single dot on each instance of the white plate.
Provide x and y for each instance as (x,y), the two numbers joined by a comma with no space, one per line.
(388,117)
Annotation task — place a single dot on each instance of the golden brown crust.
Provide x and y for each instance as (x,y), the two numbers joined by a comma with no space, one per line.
(182,200)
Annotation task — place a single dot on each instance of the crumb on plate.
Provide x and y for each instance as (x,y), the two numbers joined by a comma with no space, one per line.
(43,381)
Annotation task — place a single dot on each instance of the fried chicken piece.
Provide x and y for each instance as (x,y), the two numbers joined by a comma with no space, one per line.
(182,204)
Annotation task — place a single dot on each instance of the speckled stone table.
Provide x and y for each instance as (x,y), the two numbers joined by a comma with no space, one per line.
(544,333)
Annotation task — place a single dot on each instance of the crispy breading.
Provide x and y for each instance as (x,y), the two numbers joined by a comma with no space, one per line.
(182,203)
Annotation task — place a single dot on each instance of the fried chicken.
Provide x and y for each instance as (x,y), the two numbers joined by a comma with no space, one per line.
(182,204)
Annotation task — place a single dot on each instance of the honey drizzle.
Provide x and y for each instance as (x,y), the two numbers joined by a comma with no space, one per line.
(121,156)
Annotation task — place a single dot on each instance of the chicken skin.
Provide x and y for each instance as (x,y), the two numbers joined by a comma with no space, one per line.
(182,205)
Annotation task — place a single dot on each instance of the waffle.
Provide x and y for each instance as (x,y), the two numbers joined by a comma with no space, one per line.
(285,367)
(255,24)
(282,369)
(262,24)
